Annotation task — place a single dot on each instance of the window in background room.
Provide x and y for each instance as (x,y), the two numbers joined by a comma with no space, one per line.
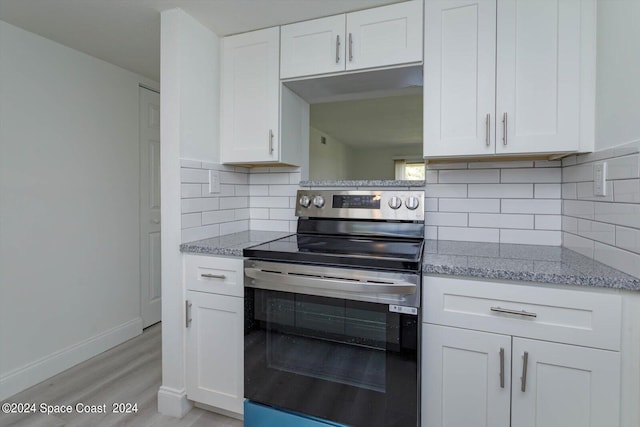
(409,169)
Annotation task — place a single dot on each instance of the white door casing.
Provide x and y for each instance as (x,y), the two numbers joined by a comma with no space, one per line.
(150,273)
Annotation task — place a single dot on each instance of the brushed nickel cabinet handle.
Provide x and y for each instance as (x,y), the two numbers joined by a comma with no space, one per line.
(504,128)
(270,141)
(337,49)
(501,367)
(488,129)
(188,319)
(516,312)
(213,276)
(523,378)
(350,47)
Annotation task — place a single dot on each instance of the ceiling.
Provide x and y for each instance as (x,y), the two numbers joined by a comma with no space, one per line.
(377,122)
(127,32)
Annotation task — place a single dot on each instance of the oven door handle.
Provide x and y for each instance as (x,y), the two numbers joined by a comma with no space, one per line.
(330,283)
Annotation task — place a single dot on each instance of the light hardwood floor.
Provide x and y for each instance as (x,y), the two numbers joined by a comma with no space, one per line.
(130,372)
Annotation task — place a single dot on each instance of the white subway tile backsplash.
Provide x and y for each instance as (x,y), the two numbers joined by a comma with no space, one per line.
(598,231)
(446,190)
(191,205)
(242,190)
(541,175)
(268,178)
(500,220)
(258,190)
(570,224)
(287,214)
(491,235)
(531,237)
(627,167)
(585,192)
(233,178)
(578,208)
(234,202)
(269,225)
(626,191)
(283,190)
(628,238)
(234,227)
(430,205)
(430,232)
(295,178)
(446,166)
(259,213)
(502,191)
(269,202)
(188,191)
(532,206)
(469,205)
(194,176)
(446,219)
(198,233)
(431,176)
(548,163)
(547,191)
(466,176)
(618,213)
(244,213)
(186,163)
(191,220)
(548,222)
(500,165)
(216,217)
(579,244)
(625,261)
(578,173)
(570,190)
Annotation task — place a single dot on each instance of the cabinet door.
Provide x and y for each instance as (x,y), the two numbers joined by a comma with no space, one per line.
(312,47)
(215,351)
(461,378)
(385,35)
(250,92)
(459,77)
(566,386)
(542,64)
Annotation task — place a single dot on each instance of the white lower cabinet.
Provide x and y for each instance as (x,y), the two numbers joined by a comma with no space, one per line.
(214,325)
(498,370)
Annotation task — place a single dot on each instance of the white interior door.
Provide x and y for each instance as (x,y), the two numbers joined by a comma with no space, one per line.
(149,207)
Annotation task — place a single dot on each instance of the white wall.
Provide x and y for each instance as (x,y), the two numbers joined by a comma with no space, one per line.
(189,129)
(69,232)
(618,81)
(330,160)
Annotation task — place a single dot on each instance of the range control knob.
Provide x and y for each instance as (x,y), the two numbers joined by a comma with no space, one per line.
(412,203)
(395,202)
(318,201)
(305,201)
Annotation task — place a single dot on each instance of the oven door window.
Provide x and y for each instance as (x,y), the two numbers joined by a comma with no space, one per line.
(347,361)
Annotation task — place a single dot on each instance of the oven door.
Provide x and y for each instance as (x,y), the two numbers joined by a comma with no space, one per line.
(343,360)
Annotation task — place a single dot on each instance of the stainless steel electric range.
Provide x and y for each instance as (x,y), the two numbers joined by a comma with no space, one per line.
(332,313)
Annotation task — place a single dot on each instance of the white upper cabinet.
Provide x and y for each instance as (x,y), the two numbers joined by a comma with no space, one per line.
(383,36)
(250,97)
(262,121)
(313,47)
(459,70)
(508,77)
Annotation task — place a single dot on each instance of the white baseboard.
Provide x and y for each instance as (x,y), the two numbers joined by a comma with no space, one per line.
(172,402)
(44,368)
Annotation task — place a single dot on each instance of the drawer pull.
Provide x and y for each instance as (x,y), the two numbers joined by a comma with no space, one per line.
(213,276)
(516,312)
(523,378)
(501,367)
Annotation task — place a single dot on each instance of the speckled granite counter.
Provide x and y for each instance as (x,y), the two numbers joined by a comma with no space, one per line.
(530,263)
(230,244)
(362,183)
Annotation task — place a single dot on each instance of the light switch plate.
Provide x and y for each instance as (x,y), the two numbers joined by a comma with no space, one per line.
(600,179)
(214,181)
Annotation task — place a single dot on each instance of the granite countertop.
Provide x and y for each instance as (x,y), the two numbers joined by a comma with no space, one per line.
(230,244)
(363,183)
(529,263)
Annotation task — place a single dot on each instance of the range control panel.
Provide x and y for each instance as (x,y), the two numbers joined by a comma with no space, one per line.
(390,205)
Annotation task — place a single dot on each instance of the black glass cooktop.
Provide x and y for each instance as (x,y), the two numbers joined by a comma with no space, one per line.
(377,253)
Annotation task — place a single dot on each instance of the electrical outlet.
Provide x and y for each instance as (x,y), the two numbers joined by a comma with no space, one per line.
(600,179)
(214,181)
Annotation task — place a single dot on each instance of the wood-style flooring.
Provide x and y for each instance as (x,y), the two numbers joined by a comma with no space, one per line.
(130,372)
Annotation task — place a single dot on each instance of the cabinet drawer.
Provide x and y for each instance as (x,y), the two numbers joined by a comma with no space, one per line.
(587,318)
(215,275)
